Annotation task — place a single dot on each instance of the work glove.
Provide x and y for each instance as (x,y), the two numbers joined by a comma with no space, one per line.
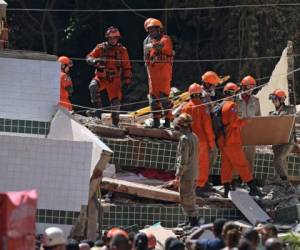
(97,62)
(158,46)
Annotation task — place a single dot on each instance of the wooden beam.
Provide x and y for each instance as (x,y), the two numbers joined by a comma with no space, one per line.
(157,193)
(166,134)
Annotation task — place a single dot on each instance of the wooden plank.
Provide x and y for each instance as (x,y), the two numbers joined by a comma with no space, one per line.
(166,134)
(108,131)
(268,130)
(157,193)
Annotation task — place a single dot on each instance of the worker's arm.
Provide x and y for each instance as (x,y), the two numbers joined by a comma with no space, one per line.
(235,121)
(182,156)
(94,57)
(126,66)
(207,125)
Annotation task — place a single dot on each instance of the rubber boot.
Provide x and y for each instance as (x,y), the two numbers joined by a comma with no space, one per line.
(194,221)
(200,193)
(156,123)
(115,119)
(167,123)
(254,191)
(226,189)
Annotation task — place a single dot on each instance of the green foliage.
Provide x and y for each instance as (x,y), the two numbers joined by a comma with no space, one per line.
(292,240)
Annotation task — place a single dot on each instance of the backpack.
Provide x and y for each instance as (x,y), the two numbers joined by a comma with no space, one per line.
(216,118)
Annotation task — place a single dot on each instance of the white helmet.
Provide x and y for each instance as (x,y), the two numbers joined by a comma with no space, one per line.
(53,236)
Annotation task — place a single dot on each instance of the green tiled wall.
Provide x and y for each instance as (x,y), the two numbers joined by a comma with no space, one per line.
(143,153)
(24,126)
(168,215)
(159,154)
(56,216)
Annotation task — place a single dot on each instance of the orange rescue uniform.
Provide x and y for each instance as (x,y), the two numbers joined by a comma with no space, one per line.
(115,66)
(159,64)
(65,84)
(230,145)
(202,127)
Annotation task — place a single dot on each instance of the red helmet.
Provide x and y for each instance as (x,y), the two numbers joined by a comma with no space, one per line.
(248,81)
(211,77)
(65,61)
(195,88)
(151,240)
(279,93)
(232,87)
(112,32)
(116,231)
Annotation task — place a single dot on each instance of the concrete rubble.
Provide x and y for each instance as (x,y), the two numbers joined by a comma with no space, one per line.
(128,187)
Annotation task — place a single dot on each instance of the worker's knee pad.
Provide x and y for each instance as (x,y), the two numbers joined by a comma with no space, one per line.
(93,87)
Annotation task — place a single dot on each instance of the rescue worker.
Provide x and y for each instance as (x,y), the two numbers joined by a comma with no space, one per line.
(112,65)
(158,54)
(248,106)
(66,86)
(230,143)
(202,127)
(210,81)
(281,151)
(187,167)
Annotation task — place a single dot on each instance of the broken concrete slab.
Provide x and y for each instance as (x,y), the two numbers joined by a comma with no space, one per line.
(157,193)
(154,133)
(250,209)
(261,130)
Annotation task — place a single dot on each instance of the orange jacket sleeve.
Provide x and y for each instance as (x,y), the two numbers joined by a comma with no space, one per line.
(167,48)
(234,120)
(126,65)
(96,52)
(207,126)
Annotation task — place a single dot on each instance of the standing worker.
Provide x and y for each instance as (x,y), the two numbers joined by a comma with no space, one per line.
(230,144)
(281,151)
(248,106)
(112,65)
(66,86)
(210,81)
(187,167)
(202,127)
(158,54)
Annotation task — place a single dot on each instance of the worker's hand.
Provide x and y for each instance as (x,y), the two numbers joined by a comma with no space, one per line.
(97,62)
(158,46)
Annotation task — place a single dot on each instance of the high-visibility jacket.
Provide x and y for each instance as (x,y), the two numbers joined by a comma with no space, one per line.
(114,66)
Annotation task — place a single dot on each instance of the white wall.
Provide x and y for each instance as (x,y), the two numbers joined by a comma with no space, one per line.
(59,170)
(29,89)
